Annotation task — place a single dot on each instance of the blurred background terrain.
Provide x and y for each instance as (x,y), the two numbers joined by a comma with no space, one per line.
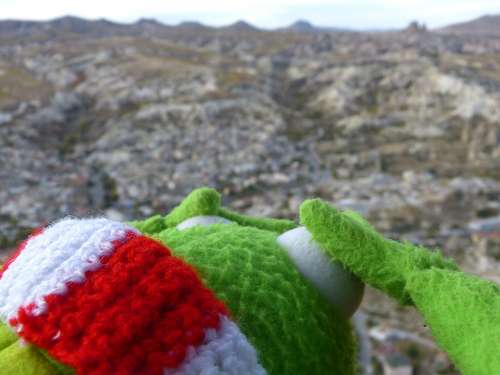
(123,120)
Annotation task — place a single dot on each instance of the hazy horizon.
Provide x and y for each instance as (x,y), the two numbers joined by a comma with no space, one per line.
(356,15)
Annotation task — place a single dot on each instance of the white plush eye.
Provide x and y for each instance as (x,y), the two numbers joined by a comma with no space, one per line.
(201,220)
(339,286)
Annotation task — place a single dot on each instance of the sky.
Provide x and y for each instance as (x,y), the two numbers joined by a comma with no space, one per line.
(354,14)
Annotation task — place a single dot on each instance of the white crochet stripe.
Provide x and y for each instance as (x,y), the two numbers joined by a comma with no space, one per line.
(62,253)
(225,351)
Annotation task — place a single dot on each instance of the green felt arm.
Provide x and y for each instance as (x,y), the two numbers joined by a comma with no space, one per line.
(463,311)
(202,201)
(273,225)
(207,201)
(382,263)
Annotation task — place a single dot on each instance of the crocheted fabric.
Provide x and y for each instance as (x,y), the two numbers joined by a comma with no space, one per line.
(206,202)
(462,310)
(95,297)
(295,330)
(100,298)
(293,327)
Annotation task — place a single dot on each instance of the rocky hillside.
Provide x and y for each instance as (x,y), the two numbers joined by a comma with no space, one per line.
(124,120)
(482,26)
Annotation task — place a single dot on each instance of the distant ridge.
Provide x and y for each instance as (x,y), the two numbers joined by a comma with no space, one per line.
(241,26)
(19,27)
(65,26)
(193,26)
(482,26)
(149,22)
(71,26)
(304,26)
(79,25)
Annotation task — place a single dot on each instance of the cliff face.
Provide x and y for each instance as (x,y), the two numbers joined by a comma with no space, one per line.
(124,120)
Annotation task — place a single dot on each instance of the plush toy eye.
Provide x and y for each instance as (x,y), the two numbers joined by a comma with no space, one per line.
(202,220)
(338,285)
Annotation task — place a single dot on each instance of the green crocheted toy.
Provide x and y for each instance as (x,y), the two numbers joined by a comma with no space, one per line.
(205,290)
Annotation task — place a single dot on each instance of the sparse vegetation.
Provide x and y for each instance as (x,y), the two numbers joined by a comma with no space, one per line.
(234,77)
(17,84)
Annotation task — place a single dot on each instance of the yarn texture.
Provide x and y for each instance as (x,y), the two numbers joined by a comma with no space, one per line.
(382,263)
(24,359)
(96,297)
(293,327)
(207,291)
(463,311)
(207,202)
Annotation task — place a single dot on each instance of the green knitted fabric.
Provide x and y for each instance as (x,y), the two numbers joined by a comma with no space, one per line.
(7,339)
(58,367)
(463,313)
(7,336)
(207,201)
(293,328)
(274,225)
(202,201)
(151,225)
(24,359)
(382,263)
(18,358)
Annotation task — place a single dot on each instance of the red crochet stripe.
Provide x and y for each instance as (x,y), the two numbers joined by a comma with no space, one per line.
(19,250)
(137,314)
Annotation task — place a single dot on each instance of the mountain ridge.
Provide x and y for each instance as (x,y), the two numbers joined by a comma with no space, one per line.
(485,25)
